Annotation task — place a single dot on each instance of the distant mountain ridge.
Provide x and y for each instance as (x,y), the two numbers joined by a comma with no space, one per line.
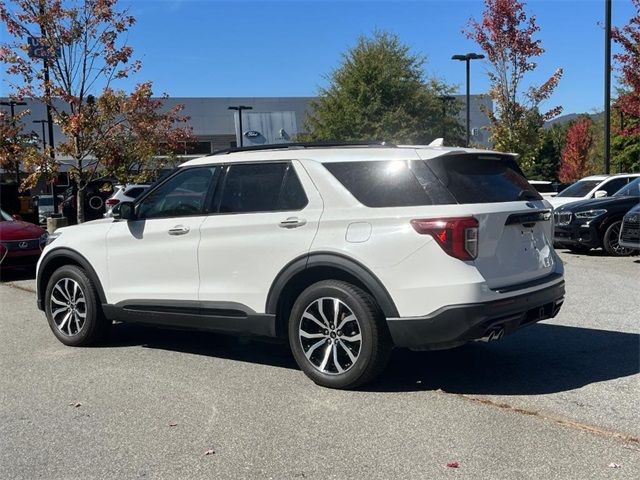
(572,116)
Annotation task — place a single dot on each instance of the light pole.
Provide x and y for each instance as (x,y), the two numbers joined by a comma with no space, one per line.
(607,85)
(239,109)
(445,99)
(44,151)
(467,58)
(12,105)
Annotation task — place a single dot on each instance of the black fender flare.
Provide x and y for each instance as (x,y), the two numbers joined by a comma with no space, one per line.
(76,258)
(335,260)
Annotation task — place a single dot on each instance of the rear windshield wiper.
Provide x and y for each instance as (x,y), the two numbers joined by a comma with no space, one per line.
(527,195)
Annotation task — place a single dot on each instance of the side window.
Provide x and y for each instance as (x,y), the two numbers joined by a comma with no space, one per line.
(262,187)
(613,186)
(183,194)
(134,192)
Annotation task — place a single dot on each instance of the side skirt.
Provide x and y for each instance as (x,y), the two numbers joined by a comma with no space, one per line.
(221,317)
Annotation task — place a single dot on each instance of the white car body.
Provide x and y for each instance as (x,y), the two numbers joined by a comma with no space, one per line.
(124,193)
(236,260)
(609,184)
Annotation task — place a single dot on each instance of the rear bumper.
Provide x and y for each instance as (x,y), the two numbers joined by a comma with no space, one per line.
(455,325)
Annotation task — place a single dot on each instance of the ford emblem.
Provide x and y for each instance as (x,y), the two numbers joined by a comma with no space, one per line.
(252,134)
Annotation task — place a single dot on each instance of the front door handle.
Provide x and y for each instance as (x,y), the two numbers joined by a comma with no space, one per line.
(293,222)
(178,230)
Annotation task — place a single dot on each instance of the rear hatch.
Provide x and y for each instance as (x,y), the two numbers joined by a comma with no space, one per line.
(515,224)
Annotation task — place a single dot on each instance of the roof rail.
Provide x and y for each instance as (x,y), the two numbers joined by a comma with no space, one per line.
(301,145)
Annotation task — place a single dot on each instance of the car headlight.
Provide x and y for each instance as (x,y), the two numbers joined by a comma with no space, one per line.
(590,214)
(51,237)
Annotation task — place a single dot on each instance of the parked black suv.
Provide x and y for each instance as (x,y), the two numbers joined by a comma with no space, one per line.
(581,226)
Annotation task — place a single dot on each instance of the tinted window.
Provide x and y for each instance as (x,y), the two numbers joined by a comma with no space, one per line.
(262,187)
(183,194)
(381,184)
(579,189)
(613,186)
(134,192)
(482,179)
(543,187)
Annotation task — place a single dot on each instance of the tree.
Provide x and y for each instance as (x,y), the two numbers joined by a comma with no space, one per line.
(625,142)
(379,92)
(142,136)
(575,155)
(84,52)
(628,64)
(547,163)
(506,35)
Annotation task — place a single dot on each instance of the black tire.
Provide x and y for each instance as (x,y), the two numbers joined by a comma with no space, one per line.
(374,345)
(80,331)
(610,241)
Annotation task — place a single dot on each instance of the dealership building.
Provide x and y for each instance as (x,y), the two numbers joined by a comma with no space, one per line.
(269,120)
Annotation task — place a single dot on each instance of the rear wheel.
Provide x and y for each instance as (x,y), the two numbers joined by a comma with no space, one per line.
(72,308)
(338,335)
(610,241)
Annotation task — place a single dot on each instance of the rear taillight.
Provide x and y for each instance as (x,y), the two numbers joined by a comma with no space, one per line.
(458,237)
(112,201)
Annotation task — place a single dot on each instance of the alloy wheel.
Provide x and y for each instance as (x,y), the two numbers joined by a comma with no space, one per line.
(68,307)
(330,336)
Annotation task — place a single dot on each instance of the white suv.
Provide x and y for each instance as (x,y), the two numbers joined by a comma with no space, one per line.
(346,251)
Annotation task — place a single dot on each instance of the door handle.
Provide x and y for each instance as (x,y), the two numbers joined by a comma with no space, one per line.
(293,222)
(178,230)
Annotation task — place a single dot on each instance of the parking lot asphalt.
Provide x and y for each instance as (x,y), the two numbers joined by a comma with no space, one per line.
(558,399)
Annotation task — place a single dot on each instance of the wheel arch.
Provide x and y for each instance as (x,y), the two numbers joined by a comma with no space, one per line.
(58,258)
(312,268)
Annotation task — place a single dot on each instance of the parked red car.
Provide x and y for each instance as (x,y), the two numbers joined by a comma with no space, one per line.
(20,242)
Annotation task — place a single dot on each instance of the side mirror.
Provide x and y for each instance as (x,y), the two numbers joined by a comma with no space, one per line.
(600,194)
(16,217)
(124,211)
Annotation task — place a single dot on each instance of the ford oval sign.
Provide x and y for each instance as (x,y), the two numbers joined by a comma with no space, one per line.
(252,134)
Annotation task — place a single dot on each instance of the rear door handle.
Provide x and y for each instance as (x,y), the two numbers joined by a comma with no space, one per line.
(293,222)
(178,230)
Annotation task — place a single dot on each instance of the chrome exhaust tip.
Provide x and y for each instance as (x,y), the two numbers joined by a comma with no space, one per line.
(492,335)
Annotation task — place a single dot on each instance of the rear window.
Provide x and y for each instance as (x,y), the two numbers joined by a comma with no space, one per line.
(543,187)
(444,180)
(482,179)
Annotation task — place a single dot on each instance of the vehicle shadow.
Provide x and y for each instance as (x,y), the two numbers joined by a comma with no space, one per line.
(543,358)
(15,274)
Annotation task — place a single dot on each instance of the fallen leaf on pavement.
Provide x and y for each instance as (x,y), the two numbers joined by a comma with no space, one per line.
(75,404)
(172,424)
(614,465)
(453,464)
(209,452)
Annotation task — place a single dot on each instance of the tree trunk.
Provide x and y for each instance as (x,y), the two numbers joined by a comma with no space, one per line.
(81,191)
(80,205)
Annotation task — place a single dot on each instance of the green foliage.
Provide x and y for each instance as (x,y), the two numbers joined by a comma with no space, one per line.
(379,93)
(625,145)
(547,162)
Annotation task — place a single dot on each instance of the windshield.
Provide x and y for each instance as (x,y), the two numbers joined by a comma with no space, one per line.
(579,189)
(630,190)
(42,201)
(5,217)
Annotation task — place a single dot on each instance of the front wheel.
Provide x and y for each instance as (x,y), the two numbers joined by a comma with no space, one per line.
(72,308)
(610,241)
(338,335)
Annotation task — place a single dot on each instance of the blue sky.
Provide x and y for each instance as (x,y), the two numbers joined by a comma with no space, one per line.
(266,48)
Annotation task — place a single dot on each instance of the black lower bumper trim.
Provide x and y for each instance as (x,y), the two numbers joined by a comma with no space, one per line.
(458,324)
